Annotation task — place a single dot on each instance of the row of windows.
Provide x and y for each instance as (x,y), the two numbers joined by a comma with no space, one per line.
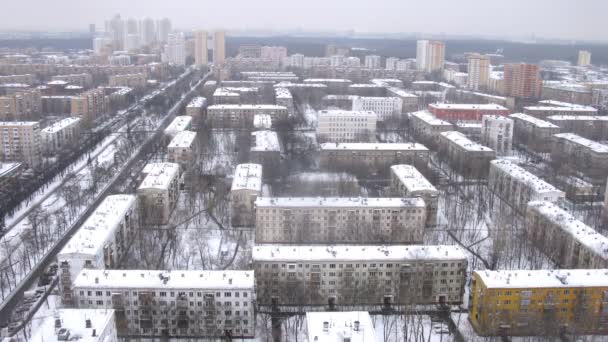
(191,294)
(419,266)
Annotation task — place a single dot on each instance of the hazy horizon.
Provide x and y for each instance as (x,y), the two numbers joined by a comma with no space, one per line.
(557,19)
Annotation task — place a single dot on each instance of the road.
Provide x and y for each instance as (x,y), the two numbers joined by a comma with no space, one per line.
(12,300)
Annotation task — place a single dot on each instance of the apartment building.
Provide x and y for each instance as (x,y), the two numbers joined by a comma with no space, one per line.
(179,124)
(587,126)
(363,275)
(241,116)
(236,95)
(570,243)
(539,302)
(581,154)
(339,220)
(534,133)
(497,133)
(567,92)
(246,187)
(542,111)
(425,128)
(158,193)
(89,105)
(174,304)
(334,85)
(20,142)
(409,101)
(135,81)
(182,149)
(25,104)
(430,55)
(27,79)
(201,51)
(284,98)
(384,107)
(516,186)
(100,243)
(479,71)
(346,126)
(466,112)
(266,150)
(465,156)
(406,181)
(262,122)
(61,133)
(84,80)
(373,157)
(522,80)
(196,110)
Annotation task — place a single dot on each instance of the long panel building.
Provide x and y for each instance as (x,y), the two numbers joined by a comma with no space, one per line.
(425,127)
(241,115)
(358,275)
(467,157)
(346,126)
(567,241)
(172,303)
(339,220)
(534,133)
(581,154)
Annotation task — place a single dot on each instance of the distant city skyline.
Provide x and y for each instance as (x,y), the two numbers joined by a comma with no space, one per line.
(557,19)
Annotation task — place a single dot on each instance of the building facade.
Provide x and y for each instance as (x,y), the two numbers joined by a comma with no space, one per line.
(20,142)
(135,81)
(406,181)
(466,157)
(497,133)
(384,107)
(266,150)
(182,149)
(158,193)
(246,187)
(360,275)
(179,304)
(197,109)
(534,133)
(241,116)
(522,80)
(339,220)
(580,154)
(346,126)
(587,126)
(425,127)
(479,71)
(179,124)
(466,112)
(56,136)
(200,48)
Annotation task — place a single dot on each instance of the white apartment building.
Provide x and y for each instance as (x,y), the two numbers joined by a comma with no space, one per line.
(406,181)
(241,116)
(497,133)
(332,326)
(20,142)
(378,157)
(425,127)
(430,55)
(346,126)
(158,193)
(85,325)
(182,148)
(179,124)
(246,187)
(175,50)
(134,81)
(101,241)
(391,63)
(60,134)
(177,304)
(262,122)
(196,110)
(360,275)
(339,220)
(478,71)
(516,186)
(384,107)
(372,62)
(570,243)
(284,98)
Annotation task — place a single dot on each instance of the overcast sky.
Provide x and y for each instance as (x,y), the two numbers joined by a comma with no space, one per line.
(567,19)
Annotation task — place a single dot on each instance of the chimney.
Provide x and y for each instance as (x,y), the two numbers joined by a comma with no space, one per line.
(356,325)
(87,323)
(96,280)
(94,332)
(325,326)
(57,323)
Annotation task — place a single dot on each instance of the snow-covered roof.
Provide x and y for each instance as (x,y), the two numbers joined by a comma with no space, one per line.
(197,102)
(464,142)
(577,118)
(8,168)
(536,184)
(347,113)
(148,279)
(356,326)
(299,85)
(322,177)
(585,235)
(560,109)
(57,82)
(18,123)
(246,106)
(282,93)
(59,125)
(262,121)
(429,118)
(99,227)
(160,176)
(340,202)
(339,97)
(577,139)
(320,253)
(182,139)
(530,279)
(74,320)
(247,177)
(493,118)
(266,141)
(484,95)
(412,179)
(465,106)
(553,103)
(365,85)
(327,80)
(225,93)
(533,120)
(180,123)
(373,147)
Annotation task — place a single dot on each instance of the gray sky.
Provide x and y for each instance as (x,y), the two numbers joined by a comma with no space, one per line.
(566,19)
